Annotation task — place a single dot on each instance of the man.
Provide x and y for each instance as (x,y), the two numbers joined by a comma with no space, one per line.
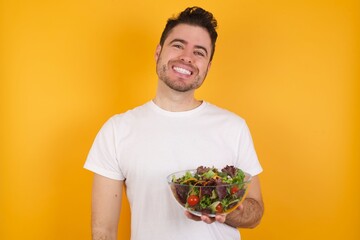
(173,132)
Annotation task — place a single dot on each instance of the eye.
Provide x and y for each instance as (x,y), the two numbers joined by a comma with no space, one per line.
(179,46)
(199,53)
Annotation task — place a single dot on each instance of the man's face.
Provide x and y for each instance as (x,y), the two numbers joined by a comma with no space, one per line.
(183,61)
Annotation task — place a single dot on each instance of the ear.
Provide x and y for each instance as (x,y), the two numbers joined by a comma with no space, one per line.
(157,52)
(209,65)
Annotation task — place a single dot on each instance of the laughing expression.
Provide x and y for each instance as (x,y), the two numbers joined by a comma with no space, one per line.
(183,61)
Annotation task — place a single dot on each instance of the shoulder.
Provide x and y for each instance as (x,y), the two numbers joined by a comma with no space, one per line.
(223,113)
(122,123)
(133,113)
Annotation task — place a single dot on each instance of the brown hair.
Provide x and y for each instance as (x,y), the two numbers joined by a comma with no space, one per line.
(195,16)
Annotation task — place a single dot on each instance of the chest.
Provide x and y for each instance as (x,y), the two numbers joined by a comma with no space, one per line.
(153,152)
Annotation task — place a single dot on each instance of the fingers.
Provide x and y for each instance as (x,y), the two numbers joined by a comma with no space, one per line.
(207,219)
(192,216)
(219,218)
(241,207)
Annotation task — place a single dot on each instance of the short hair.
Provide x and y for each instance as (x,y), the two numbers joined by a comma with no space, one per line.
(195,16)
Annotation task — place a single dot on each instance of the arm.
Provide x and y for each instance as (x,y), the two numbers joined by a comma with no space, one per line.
(252,209)
(106,206)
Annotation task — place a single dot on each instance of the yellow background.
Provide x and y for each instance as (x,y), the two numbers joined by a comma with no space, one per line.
(290,68)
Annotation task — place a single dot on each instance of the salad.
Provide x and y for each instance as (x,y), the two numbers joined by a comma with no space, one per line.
(210,191)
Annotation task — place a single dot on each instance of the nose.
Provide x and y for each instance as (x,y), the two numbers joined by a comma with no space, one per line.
(186,56)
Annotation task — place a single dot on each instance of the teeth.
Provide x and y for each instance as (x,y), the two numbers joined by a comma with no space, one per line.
(182,70)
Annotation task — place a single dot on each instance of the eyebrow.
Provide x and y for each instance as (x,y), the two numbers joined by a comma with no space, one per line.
(185,42)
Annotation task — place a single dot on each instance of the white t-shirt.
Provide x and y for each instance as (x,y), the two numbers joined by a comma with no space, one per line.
(146,144)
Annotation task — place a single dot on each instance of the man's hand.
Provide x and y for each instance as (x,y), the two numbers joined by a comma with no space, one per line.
(219,218)
(250,212)
(247,215)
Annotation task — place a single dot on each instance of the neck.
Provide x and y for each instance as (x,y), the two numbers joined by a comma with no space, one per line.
(175,101)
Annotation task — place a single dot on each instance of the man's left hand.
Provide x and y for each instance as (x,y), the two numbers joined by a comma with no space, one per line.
(218,218)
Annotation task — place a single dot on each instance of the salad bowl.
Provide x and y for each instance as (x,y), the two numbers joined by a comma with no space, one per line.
(209,191)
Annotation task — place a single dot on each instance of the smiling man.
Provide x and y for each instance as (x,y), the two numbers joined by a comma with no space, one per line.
(173,132)
(183,60)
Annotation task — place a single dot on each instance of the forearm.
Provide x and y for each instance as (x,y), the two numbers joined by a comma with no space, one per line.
(103,231)
(103,235)
(247,217)
(106,207)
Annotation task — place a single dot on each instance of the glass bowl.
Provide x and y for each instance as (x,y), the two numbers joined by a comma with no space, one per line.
(208,197)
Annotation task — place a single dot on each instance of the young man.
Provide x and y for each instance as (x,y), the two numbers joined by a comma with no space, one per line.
(173,132)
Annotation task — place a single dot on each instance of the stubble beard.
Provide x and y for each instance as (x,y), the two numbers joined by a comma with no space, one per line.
(178,85)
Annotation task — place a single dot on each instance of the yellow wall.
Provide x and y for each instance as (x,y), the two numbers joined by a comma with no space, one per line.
(290,68)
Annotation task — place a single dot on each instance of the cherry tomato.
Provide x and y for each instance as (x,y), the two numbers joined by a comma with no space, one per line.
(234,189)
(193,200)
(219,208)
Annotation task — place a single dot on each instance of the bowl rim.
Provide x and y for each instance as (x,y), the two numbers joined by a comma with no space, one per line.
(169,178)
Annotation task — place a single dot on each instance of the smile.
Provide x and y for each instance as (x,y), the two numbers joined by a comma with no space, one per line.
(182,70)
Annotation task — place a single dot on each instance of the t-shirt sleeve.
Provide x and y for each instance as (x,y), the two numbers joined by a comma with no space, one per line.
(102,157)
(247,157)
